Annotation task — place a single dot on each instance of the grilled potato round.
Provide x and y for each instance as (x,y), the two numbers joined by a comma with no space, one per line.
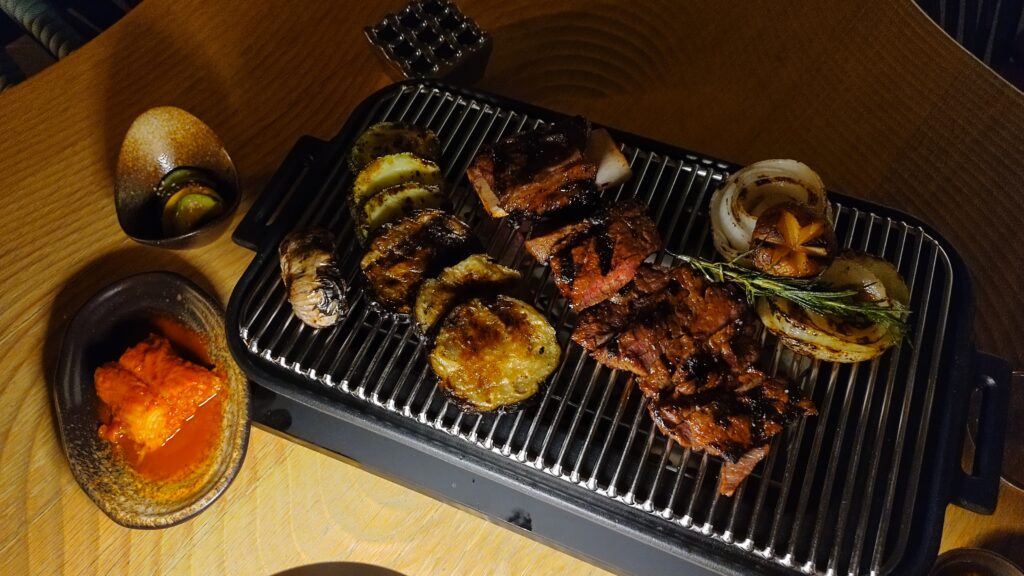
(494,354)
(475,274)
(392,170)
(393,203)
(387,138)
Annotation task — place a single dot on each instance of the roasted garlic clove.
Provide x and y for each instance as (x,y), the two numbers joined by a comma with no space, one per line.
(794,241)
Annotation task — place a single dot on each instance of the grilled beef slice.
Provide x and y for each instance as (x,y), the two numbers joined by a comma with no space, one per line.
(593,263)
(536,173)
(671,327)
(691,344)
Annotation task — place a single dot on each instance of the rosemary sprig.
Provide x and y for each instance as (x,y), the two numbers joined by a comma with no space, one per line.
(807,294)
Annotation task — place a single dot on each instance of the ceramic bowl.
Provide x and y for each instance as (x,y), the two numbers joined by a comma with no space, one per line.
(114,319)
(973,561)
(158,141)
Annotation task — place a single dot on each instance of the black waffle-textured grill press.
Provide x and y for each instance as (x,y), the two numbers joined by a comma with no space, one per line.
(861,488)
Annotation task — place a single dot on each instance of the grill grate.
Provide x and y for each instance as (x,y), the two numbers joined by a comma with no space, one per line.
(835,495)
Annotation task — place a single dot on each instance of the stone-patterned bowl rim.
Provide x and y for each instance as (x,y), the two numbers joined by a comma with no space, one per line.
(118,491)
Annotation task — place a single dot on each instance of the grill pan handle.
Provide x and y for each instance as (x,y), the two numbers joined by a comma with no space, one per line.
(979,490)
(273,203)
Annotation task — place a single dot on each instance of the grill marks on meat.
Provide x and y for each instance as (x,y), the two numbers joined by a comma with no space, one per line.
(734,473)
(725,422)
(410,250)
(536,173)
(672,328)
(691,344)
(591,260)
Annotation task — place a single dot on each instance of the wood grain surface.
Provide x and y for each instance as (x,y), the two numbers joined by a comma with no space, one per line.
(871,95)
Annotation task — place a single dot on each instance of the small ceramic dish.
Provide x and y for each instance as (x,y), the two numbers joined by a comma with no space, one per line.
(971,561)
(114,319)
(159,141)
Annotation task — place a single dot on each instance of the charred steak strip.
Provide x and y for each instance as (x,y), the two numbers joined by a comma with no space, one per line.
(690,343)
(534,173)
(550,170)
(593,262)
(671,327)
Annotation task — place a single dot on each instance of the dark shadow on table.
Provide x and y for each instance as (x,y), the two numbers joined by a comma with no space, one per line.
(339,569)
(93,276)
(1008,544)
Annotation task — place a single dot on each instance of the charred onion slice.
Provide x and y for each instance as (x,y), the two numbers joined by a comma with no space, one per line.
(612,167)
(316,289)
(476,274)
(751,191)
(493,354)
(392,170)
(840,339)
(793,241)
(387,138)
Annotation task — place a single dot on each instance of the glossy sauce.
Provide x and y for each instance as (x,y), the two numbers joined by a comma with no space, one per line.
(183,452)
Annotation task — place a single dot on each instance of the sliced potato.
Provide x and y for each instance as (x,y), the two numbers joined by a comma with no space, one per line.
(392,170)
(387,138)
(477,273)
(402,254)
(494,354)
(395,202)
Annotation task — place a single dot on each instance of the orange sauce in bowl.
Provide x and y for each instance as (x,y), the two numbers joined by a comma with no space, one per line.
(183,452)
(190,441)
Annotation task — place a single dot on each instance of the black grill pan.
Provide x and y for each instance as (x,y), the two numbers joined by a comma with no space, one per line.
(861,488)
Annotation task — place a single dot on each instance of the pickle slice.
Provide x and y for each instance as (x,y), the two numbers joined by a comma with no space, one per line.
(189,208)
(180,177)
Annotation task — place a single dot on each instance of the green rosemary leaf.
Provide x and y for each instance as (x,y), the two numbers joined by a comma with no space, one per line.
(804,293)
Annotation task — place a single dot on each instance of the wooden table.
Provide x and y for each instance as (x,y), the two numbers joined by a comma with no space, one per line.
(872,95)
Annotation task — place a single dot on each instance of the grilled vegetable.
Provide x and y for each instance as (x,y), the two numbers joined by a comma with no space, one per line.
(751,191)
(493,354)
(612,167)
(393,203)
(793,241)
(310,273)
(852,338)
(411,249)
(474,275)
(387,138)
(392,170)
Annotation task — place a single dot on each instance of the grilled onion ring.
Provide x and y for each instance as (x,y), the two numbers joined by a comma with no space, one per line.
(736,205)
(833,339)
